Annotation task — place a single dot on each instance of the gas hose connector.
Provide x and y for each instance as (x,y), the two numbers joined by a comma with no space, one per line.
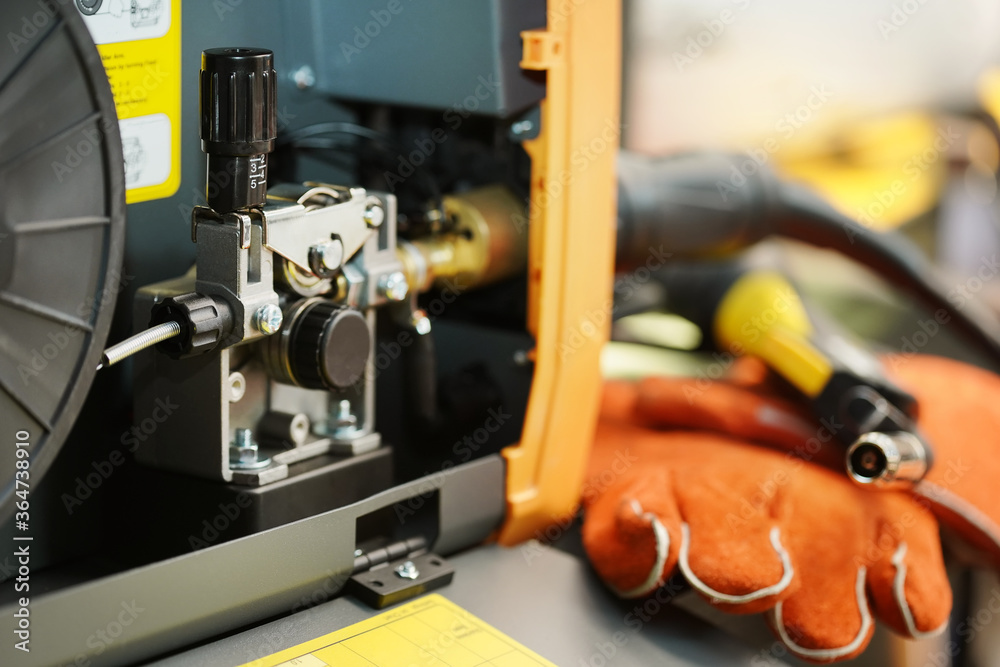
(886,459)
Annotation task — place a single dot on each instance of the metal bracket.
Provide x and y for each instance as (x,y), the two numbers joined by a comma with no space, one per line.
(400,580)
(242,222)
(199,214)
(299,217)
(397,572)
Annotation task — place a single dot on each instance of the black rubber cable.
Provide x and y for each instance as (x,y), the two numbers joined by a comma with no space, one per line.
(699,205)
(804,216)
(316,138)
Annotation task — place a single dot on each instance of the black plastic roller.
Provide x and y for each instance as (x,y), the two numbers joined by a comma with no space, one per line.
(62,227)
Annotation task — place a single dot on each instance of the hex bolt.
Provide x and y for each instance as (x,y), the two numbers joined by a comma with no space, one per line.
(374,212)
(244,438)
(407,570)
(327,257)
(268,319)
(243,453)
(393,286)
(244,449)
(345,418)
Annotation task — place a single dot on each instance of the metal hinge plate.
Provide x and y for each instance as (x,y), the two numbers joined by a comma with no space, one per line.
(400,579)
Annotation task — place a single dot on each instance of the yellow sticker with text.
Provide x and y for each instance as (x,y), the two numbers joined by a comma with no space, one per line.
(140,45)
(429,632)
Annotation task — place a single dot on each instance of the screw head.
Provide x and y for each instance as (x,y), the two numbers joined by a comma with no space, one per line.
(421,323)
(268,319)
(345,419)
(522,127)
(304,77)
(407,570)
(329,256)
(374,212)
(393,286)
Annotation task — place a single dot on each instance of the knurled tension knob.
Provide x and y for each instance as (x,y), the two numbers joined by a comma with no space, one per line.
(180,326)
(238,124)
(204,322)
(322,346)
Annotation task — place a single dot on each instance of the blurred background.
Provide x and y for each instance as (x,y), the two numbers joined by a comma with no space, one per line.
(889,109)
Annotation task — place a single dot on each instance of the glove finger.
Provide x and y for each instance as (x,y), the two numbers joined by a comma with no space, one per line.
(965,520)
(827,617)
(960,415)
(751,373)
(618,400)
(725,408)
(621,450)
(632,534)
(906,576)
(732,542)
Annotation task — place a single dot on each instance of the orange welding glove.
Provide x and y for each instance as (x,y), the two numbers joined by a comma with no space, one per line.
(959,413)
(756,529)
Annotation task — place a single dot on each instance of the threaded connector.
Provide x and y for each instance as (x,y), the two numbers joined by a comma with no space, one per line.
(204,322)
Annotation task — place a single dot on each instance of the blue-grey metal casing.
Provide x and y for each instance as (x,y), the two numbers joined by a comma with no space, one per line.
(439,54)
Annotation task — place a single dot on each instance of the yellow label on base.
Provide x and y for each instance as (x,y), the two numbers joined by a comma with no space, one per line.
(429,632)
(140,46)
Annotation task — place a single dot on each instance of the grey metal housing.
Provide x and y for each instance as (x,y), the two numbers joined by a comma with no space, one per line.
(445,54)
(287,569)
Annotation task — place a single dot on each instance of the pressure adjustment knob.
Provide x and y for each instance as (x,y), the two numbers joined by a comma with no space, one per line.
(239,124)
(322,345)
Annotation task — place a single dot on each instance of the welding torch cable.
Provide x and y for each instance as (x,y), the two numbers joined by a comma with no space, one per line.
(893,256)
(704,204)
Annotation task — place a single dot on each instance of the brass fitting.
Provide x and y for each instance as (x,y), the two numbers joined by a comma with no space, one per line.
(488,243)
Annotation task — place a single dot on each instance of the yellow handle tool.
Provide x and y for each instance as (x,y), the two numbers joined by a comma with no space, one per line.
(760,313)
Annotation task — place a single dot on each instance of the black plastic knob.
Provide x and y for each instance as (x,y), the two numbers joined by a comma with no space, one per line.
(329,346)
(204,321)
(239,126)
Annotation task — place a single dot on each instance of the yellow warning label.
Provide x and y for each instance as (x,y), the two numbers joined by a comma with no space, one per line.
(430,632)
(140,45)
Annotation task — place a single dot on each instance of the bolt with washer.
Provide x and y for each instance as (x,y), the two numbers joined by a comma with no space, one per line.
(326,258)
(393,286)
(268,319)
(345,421)
(244,453)
(374,212)
(407,570)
